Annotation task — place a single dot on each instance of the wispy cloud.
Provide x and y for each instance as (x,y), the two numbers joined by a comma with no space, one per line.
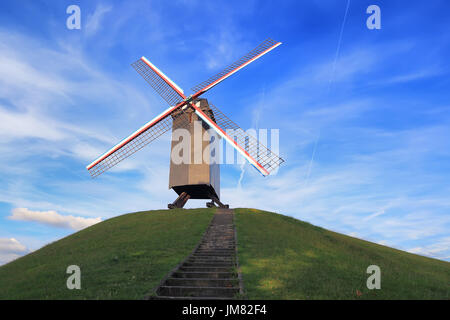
(94,20)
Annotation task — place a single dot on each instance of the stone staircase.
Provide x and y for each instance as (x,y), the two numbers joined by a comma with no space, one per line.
(211,271)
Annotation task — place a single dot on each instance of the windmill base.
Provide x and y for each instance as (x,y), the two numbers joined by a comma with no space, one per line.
(215,201)
(180,201)
(184,197)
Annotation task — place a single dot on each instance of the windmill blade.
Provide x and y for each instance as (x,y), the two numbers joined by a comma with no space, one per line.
(162,84)
(136,141)
(264,160)
(256,53)
(263,155)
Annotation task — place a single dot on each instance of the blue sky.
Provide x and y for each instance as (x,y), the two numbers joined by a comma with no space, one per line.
(363,114)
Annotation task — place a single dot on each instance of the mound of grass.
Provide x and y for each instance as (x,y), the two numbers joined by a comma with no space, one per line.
(121,258)
(284,258)
(280,257)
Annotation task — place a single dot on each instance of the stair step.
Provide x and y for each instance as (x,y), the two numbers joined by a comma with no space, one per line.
(198,261)
(197,291)
(188,298)
(209,248)
(215,249)
(209,275)
(209,264)
(203,282)
(214,253)
(206,269)
(211,258)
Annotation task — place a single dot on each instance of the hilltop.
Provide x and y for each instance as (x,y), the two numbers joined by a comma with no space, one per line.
(280,258)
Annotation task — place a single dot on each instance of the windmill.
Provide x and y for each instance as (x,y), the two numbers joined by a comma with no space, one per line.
(192,181)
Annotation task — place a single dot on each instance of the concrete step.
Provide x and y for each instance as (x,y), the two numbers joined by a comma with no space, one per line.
(209,264)
(181,291)
(206,269)
(203,282)
(208,275)
(215,252)
(222,250)
(212,258)
(215,256)
(215,247)
(218,248)
(212,251)
(206,255)
(220,232)
(219,236)
(217,242)
(205,247)
(187,298)
(212,255)
(222,244)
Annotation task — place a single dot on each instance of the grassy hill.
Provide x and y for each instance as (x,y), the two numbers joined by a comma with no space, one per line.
(280,257)
(120,258)
(284,258)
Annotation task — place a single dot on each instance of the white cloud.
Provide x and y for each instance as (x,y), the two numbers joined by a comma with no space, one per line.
(52,218)
(439,249)
(26,124)
(10,249)
(11,246)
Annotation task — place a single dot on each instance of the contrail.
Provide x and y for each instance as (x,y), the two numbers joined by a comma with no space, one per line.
(255,124)
(330,81)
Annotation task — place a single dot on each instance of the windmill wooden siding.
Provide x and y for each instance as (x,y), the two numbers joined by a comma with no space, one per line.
(198,178)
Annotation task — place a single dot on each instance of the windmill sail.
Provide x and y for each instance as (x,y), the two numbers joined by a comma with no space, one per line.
(258,155)
(256,53)
(162,84)
(136,141)
(258,151)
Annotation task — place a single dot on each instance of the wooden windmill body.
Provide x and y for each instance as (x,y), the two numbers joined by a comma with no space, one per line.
(199,178)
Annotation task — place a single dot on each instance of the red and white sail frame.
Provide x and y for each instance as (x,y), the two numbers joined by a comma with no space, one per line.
(264,48)
(132,136)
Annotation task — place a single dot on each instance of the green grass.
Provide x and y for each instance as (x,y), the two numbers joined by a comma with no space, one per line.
(121,258)
(283,258)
